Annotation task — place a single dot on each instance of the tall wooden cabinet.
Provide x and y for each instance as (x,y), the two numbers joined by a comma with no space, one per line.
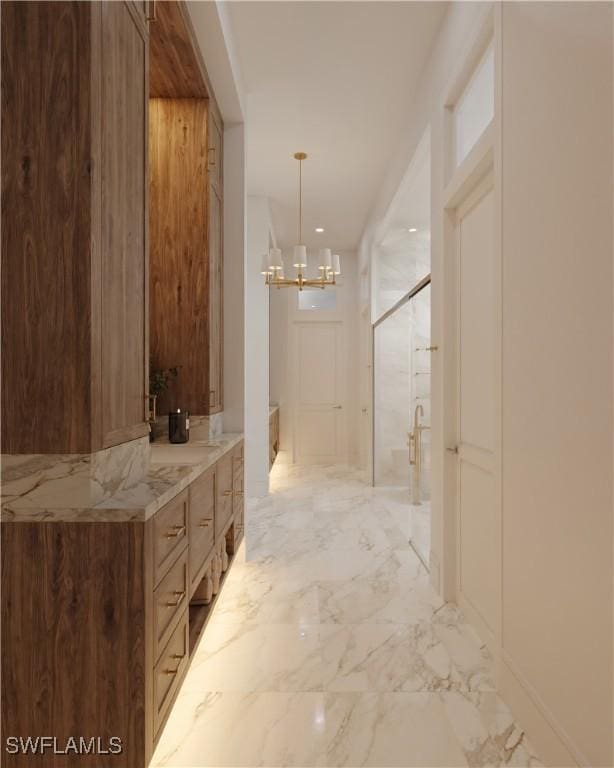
(186,217)
(216,228)
(74,225)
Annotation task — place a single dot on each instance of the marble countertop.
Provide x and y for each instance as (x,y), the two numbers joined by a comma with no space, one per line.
(71,489)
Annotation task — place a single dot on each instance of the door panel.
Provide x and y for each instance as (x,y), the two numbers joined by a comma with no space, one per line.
(319,433)
(124,203)
(477,316)
(476,401)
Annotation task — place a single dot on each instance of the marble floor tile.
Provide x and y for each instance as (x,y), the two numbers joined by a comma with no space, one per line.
(256,657)
(327,646)
(390,729)
(386,657)
(244,729)
(485,728)
(257,596)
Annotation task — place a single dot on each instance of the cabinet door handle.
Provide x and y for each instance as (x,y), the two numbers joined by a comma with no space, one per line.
(211,162)
(180,596)
(151,16)
(204,524)
(179,531)
(180,658)
(337,407)
(227,493)
(238,493)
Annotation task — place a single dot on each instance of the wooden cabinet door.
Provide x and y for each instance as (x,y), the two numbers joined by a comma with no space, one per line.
(123,199)
(215,300)
(224,492)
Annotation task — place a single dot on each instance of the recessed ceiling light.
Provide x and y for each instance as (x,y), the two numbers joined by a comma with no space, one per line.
(413,229)
(319,229)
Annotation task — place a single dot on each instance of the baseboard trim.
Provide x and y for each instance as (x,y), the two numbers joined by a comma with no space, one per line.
(552,744)
(475,618)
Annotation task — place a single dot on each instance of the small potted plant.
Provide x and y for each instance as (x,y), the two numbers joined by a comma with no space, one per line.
(159,380)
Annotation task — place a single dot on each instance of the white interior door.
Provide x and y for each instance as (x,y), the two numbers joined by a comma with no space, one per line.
(320,412)
(476,506)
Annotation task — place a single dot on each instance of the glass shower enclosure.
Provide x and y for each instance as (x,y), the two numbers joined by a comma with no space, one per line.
(402,411)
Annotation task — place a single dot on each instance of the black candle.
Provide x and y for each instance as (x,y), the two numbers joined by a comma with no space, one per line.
(179,426)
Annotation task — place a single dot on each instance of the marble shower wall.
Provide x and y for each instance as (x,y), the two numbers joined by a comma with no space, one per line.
(397,387)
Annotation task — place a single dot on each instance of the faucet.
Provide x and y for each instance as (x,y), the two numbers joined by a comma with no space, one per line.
(415,452)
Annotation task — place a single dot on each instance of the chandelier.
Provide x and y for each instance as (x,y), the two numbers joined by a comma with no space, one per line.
(328,263)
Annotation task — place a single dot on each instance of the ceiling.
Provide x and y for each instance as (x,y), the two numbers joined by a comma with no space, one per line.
(335,80)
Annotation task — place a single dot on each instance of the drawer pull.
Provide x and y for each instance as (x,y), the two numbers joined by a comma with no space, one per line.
(179,531)
(228,493)
(238,493)
(178,656)
(180,596)
(204,524)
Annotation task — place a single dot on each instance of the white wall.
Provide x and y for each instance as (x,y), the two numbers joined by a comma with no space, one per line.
(284,313)
(234,267)
(259,239)
(557,376)
(555,647)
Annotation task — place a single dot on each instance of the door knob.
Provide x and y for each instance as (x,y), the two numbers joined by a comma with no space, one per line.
(454,449)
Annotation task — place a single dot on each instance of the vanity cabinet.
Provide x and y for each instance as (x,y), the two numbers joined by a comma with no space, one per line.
(74,234)
(111,608)
(237,489)
(202,525)
(224,501)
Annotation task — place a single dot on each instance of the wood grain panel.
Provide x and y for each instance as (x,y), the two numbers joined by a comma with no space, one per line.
(179,283)
(176,70)
(74,207)
(46,184)
(124,205)
(73,634)
(215,401)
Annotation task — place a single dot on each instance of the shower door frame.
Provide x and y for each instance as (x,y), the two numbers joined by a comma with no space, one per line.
(395,307)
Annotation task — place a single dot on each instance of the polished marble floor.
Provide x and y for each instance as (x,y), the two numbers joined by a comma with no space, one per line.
(328,647)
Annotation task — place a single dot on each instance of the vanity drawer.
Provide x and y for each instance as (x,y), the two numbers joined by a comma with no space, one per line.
(170,533)
(169,671)
(170,600)
(224,496)
(202,523)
